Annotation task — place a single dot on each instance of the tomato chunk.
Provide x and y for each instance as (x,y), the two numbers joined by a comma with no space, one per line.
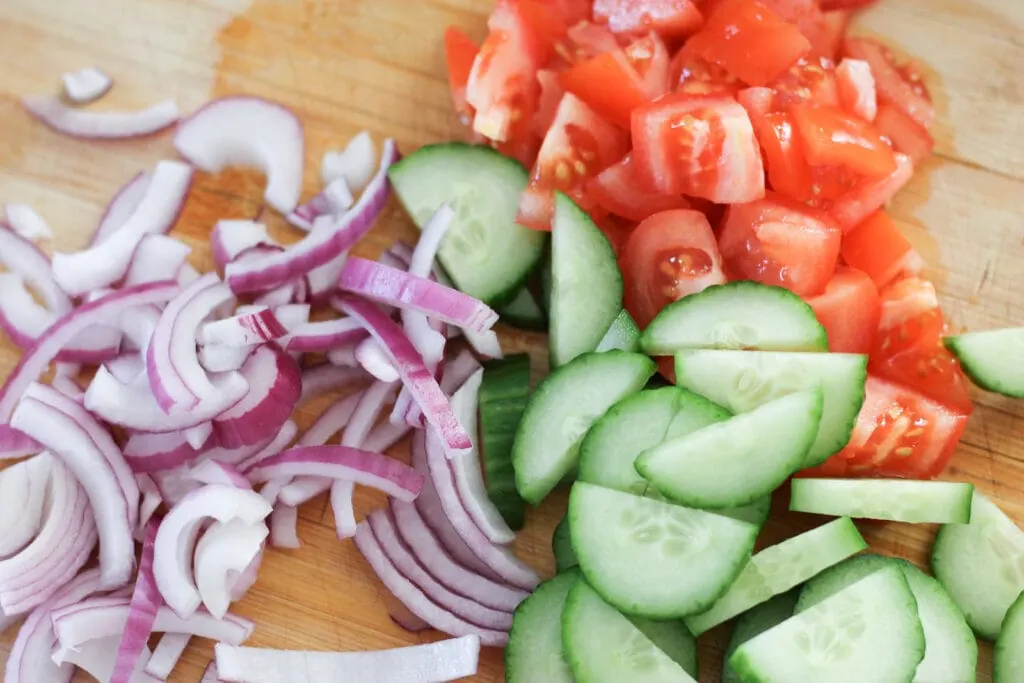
(857,88)
(788,171)
(692,74)
(551,93)
(670,18)
(809,80)
(878,248)
(750,41)
(871,194)
(702,146)
(902,88)
(906,134)
(832,137)
(776,241)
(578,146)
(849,310)
(668,256)
(620,190)
(459,51)
(904,299)
(899,433)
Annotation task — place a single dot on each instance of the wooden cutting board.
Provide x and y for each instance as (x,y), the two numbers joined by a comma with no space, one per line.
(347,65)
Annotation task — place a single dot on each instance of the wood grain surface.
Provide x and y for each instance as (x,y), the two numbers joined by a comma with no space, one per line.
(347,65)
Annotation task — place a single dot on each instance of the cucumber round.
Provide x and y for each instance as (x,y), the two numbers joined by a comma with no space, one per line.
(524,312)
(486,253)
(779,568)
(672,638)
(654,559)
(740,381)
(981,565)
(562,410)
(586,285)
(561,546)
(603,646)
(534,651)
(736,462)
(738,315)
(754,622)
(898,500)
(994,359)
(755,513)
(623,334)
(504,392)
(1008,660)
(868,631)
(633,425)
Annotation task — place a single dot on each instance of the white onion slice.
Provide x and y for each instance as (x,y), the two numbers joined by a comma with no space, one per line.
(247,131)
(354,164)
(86,85)
(225,547)
(166,654)
(101,124)
(158,257)
(27,222)
(121,207)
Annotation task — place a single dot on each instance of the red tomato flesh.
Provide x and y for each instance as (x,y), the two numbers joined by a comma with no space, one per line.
(857,88)
(620,190)
(849,310)
(906,134)
(832,137)
(776,241)
(750,41)
(692,74)
(459,51)
(871,194)
(878,248)
(702,146)
(905,299)
(902,88)
(668,256)
(670,18)
(788,171)
(809,80)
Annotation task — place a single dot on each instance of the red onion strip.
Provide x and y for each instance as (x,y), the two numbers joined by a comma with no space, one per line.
(211,675)
(355,163)
(321,379)
(374,360)
(284,531)
(24,258)
(323,336)
(158,257)
(275,384)
(151,501)
(304,489)
(219,358)
(81,123)
(225,547)
(343,509)
(246,329)
(98,657)
(331,421)
(232,238)
(121,207)
(142,611)
(23,492)
(27,222)
(284,437)
(384,436)
(222,473)
(86,85)
(146,452)
(166,654)
(334,198)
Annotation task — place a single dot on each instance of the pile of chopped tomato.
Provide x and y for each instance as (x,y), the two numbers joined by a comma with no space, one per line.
(717,140)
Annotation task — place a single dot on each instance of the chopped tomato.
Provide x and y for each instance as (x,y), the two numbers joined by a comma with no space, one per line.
(844,4)
(668,256)
(459,53)
(620,190)
(578,146)
(878,248)
(899,433)
(750,41)
(572,11)
(702,146)
(912,354)
(692,74)
(832,137)
(849,310)
(857,88)
(871,194)
(809,80)
(788,171)
(776,241)
(546,23)
(585,40)
(907,135)
(649,58)
(828,41)
(904,299)
(670,18)
(551,92)
(900,86)
(502,85)
(758,101)
(616,229)
(806,16)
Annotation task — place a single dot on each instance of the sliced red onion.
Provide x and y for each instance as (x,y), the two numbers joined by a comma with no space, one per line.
(275,384)
(499,558)
(293,316)
(323,280)
(246,329)
(286,294)
(138,327)
(428,341)
(331,421)
(222,473)
(242,581)
(384,436)
(24,258)
(324,335)
(343,509)
(334,198)
(219,358)
(225,547)
(342,462)
(98,657)
(354,164)
(121,207)
(23,493)
(231,238)
(86,85)
(176,539)
(387,537)
(247,131)
(107,262)
(413,598)
(158,257)
(27,222)
(142,610)
(401,615)
(304,489)
(198,436)
(284,527)
(147,452)
(166,654)
(151,501)
(211,675)
(321,379)
(415,375)
(447,660)
(485,343)
(323,244)
(66,382)
(175,484)
(284,437)
(81,123)
(375,361)
(366,413)
(126,368)
(345,356)
(429,551)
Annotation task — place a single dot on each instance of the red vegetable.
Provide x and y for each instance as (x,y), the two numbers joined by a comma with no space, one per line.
(849,310)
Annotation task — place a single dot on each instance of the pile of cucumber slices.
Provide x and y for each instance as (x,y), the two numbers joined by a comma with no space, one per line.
(671,485)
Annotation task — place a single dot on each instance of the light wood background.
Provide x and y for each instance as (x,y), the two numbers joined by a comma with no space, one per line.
(347,65)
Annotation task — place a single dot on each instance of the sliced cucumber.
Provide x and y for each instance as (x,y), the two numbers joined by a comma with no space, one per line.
(981,565)
(635,424)
(586,286)
(742,380)
(534,652)
(672,638)
(993,359)
(562,410)
(524,312)
(738,315)
(561,546)
(603,646)
(869,631)
(736,462)
(654,559)
(780,567)
(951,652)
(897,500)
(485,252)
(623,334)
(755,622)
(1008,660)
(503,395)
(755,513)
